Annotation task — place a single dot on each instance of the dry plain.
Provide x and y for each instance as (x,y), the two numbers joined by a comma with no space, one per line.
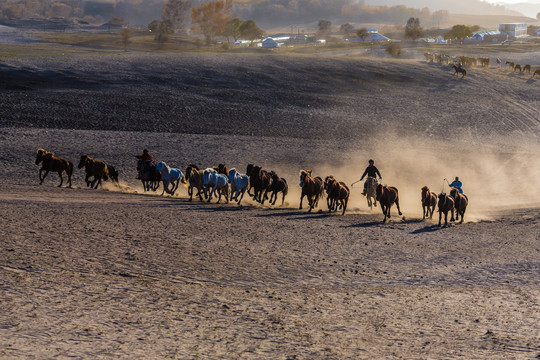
(116,273)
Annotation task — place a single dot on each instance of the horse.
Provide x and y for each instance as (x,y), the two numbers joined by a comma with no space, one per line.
(221,169)
(96,168)
(52,163)
(498,62)
(312,188)
(371,191)
(510,64)
(239,184)
(150,177)
(113,174)
(527,68)
(429,201)
(458,71)
(536,72)
(170,175)
(260,181)
(337,193)
(517,67)
(195,179)
(279,184)
(460,203)
(386,196)
(446,204)
(215,182)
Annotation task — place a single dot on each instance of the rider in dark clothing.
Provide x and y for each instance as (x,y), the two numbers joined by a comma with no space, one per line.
(144,158)
(371,171)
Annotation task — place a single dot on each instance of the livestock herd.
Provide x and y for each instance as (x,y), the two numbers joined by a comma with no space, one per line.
(258,183)
(472,61)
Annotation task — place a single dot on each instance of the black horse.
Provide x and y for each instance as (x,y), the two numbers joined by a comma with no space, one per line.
(149,175)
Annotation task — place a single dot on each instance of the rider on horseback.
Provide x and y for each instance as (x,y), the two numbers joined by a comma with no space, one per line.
(145,157)
(457,184)
(371,171)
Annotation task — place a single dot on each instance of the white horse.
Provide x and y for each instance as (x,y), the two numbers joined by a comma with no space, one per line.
(170,176)
(239,184)
(214,182)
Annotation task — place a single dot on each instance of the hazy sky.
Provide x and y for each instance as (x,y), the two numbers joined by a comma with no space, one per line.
(513,1)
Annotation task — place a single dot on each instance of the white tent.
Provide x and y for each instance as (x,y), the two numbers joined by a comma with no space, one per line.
(269,43)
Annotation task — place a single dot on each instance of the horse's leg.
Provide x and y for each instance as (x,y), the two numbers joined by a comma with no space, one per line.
(165,187)
(61,178)
(344,203)
(226,190)
(175,186)
(424,212)
(242,192)
(446,218)
(463,215)
(44,176)
(398,209)
(440,217)
(282,198)
(452,214)
(301,198)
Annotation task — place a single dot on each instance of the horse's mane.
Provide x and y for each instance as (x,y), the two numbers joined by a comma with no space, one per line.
(193,166)
(425,188)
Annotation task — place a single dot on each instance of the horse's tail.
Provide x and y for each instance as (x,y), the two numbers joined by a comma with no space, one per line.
(183,180)
(286,188)
(69,169)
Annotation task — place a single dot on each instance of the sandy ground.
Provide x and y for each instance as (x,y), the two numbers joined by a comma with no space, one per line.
(116,273)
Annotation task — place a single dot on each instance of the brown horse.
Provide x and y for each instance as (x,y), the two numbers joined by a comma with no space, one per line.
(337,194)
(278,185)
(221,169)
(517,67)
(429,201)
(510,64)
(459,71)
(195,178)
(260,181)
(371,191)
(312,188)
(446,204)
(113,174)
(536,72)
(96,168)
(460,204)
(51,163)
(386,196)
(527,68)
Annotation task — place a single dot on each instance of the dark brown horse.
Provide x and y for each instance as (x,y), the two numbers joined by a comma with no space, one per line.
(429,201)
(536,72)
(527,68)
(446,204)
(195,179)
(312,188)
(51,163)
(260,181)
(96,168)
(387,196)
(459,71)
(113,174)
(460,203)
(517,67)
(221,169)
(337,194)
(278,185)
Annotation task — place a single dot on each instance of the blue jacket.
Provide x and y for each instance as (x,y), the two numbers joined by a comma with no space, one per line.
(457,185)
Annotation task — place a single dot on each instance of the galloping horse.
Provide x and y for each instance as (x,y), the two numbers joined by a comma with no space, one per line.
(371,191)
(221,169)
(278,185)
(386,196)
(170,176)
(429,201)
(260,181)
(51,163)
(460,204)
(337,193)
(96,168)
(149,175)
(239,184)
(458,71)
(214,182)
(446,204)
(311,187)
(196,180)
(527,68)
(113,174)
(517,67)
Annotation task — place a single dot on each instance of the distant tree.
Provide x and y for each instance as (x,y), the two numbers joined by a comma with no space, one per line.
(531,30)
(162,33)
(346,29)
(394,49)
(324,28)
(475,28)
(250,31)
(154,25)
(175,13)
(413,30)
(232,29)
(210,19)
(126,34)
(459,32)
(439,16)
(362,33)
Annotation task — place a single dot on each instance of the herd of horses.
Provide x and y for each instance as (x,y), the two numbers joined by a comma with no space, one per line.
(257,182)
(471,61)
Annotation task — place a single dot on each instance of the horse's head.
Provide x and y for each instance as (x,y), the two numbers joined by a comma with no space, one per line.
(379,192)
(249,169)
(425,190)
(303,175)
(222,169)
(39,155)
(232,174)
(207,174)
(162,166)
(454,192)
(328,181)
(83,161)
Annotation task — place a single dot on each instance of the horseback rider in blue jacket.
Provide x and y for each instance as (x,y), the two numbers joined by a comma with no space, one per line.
(457,184)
